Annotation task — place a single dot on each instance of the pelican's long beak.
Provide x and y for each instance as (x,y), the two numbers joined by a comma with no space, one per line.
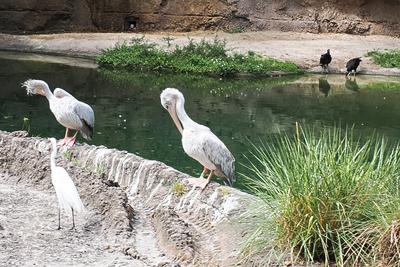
(172,111)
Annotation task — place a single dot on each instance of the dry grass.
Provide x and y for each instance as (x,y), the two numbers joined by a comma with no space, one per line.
(389,245)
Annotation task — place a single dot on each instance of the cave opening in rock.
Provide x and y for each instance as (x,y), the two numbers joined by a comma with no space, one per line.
(130,23)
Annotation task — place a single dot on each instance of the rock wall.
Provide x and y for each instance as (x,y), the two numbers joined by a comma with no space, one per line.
(357,17)
(191,227)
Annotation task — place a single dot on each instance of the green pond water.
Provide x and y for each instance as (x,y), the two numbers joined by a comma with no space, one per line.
(129,115)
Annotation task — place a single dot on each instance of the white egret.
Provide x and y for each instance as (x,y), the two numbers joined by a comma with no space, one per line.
(67,195)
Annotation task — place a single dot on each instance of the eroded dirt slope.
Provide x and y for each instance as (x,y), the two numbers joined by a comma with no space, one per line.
(28,235)
(134,213)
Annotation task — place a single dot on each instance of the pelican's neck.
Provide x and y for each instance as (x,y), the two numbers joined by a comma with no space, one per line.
(186,121)
(53,157)
(47,93)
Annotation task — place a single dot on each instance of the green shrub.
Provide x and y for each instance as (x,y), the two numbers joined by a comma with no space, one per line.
(203,57)
(328,197)
(179,189)
(386,58)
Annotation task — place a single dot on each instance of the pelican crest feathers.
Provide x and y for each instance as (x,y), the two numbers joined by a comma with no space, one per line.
(34,87)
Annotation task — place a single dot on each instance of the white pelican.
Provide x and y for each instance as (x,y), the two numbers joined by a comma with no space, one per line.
(67,195)
(199,142)
(69,112)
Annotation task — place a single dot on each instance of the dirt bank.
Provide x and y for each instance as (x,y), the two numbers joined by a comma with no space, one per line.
(301,48)
(133,210)
(28,216)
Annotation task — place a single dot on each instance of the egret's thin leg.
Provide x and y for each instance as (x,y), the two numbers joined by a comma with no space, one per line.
(59,218)
(73,219)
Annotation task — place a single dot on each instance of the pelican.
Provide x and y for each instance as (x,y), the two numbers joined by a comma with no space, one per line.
(67,195)
(199,142)
(69,112)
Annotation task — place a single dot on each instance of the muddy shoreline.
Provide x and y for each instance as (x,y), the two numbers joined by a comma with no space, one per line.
(303,49)
(134,215)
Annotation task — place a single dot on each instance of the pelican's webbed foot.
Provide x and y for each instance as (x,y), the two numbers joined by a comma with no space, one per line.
(198,182)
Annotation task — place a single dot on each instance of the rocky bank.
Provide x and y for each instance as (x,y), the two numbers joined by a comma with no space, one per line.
(333,16)
(139,211)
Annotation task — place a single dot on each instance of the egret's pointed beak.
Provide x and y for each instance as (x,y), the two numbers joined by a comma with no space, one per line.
(172,111)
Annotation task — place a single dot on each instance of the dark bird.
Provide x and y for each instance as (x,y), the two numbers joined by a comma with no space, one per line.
(352,65)
(324,86)
(325,60)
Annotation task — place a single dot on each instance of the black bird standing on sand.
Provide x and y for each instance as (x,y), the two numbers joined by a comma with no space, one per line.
(352,65)
(325,60)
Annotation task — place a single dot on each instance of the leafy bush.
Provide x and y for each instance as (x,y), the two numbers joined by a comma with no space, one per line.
(204,57)
(328,197)
(386,58)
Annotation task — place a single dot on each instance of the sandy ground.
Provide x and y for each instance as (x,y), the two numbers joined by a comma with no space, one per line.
(28,235)
(301,48)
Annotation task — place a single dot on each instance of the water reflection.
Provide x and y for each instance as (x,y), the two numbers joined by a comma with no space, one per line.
(129,115)
(324,86)
(351,84)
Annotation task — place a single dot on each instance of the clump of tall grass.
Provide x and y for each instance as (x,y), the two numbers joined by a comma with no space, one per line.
(204,57)
(327,197)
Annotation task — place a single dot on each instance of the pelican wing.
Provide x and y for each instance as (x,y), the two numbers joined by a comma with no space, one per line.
(86,115)
(60,93)
(221,157)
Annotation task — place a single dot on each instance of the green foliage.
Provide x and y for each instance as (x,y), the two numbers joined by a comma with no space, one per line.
(224,191)
(204,57)
(179,189)
(327,197)
(26,124)
(67,154)
(235,29)
(100,169)
(386,58)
